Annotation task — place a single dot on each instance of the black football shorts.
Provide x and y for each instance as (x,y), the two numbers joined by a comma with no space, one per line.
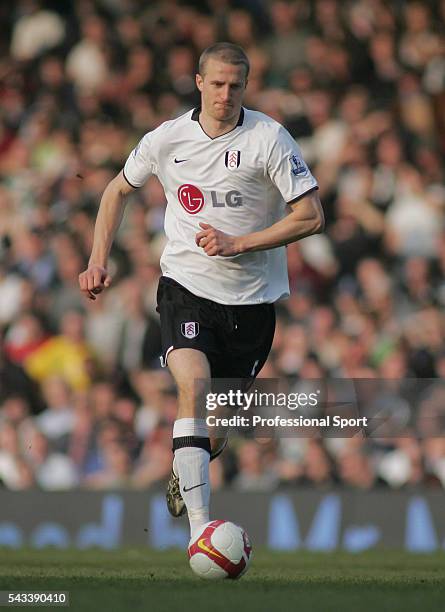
(235,339)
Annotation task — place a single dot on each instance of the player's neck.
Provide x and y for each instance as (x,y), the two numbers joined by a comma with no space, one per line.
(214,128)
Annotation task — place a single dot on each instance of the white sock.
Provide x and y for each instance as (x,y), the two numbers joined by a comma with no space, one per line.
(191,464)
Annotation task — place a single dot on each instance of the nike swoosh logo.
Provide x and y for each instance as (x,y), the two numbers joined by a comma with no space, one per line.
(179,161)
(195,487)
(206,549)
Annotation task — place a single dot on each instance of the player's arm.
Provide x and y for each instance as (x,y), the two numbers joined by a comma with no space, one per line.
(306,218)
(96,278)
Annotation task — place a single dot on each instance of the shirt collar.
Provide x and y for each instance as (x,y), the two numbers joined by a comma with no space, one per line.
(197,110)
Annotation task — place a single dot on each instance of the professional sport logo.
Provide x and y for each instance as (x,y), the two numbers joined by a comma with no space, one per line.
(190,329)
(232,159)
(191,198)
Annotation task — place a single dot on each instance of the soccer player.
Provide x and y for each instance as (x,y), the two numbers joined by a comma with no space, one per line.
(228,173)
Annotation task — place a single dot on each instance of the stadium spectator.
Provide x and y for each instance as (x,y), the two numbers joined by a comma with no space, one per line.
(35,31)
(255,470)
(57,420)
(67,355)
(16,383)
(53,471)
(9,456)
(154,462)
(116,469)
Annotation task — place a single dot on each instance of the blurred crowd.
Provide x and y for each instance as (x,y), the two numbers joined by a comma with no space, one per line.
(360,84)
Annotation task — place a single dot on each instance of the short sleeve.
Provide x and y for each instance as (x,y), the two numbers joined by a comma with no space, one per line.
(287,169)
(140,165)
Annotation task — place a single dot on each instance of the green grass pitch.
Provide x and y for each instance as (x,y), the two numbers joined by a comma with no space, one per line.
(162,581)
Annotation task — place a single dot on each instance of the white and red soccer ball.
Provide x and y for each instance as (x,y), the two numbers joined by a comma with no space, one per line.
(221,550)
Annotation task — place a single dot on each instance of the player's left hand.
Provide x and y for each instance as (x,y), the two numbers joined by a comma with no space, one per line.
(215,242)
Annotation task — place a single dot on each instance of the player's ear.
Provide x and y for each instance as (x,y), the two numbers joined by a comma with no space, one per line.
(199,81)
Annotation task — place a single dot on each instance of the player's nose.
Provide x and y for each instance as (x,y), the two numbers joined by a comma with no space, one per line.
(225,94)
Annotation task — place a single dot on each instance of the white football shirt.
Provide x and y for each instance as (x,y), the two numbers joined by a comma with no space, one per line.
(239,183)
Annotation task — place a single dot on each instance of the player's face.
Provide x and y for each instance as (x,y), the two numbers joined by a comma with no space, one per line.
(222,87)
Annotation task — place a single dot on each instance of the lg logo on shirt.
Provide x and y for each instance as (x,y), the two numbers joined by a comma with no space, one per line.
(192,199)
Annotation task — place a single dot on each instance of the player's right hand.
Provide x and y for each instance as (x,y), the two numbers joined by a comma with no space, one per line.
(94,280)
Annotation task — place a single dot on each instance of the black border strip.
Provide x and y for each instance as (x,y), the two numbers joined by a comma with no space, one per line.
(131,185)
(195,117)
(303,194)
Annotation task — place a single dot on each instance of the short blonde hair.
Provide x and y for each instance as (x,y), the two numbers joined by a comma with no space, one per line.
(225,52)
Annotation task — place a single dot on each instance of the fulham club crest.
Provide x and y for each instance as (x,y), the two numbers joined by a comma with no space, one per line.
(190,329)
(232,159)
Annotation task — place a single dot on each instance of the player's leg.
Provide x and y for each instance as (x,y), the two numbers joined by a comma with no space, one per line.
(244,352)
(177,306)
(191,445)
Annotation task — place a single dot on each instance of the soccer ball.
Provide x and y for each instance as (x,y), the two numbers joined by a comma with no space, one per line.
(221,550)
